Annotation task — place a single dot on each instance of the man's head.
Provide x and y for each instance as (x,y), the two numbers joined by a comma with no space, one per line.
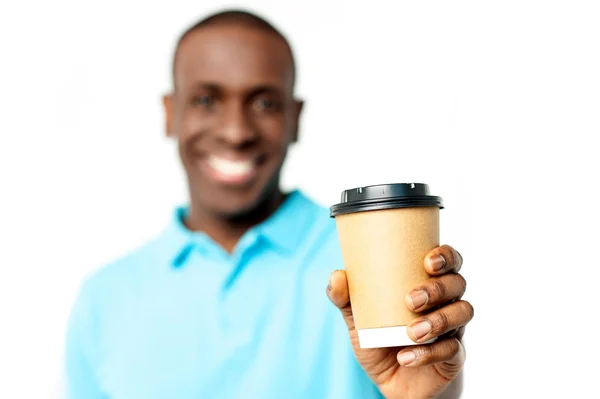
(232,110)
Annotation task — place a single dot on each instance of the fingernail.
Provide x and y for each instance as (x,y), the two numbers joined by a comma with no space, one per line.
(406,358)
(421,329)
(329,282)
(418,298)
(437,263)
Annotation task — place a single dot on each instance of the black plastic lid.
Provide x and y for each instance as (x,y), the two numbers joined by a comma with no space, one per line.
(385,196)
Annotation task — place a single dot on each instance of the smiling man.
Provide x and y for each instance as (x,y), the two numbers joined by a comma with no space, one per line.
(228,301)
(234,115)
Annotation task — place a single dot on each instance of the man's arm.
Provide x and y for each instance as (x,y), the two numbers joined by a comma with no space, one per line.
(80,379)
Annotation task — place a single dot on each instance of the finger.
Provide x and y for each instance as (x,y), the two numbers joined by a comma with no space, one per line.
(458,334)
(448,354)
(338,293)
(439,322)
(436,291)
(442,260)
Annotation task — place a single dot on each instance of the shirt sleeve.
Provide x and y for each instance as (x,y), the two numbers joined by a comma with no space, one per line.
(80,379)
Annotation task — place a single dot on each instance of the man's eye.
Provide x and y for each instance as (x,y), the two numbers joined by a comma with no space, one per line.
(266,104)
(203,101)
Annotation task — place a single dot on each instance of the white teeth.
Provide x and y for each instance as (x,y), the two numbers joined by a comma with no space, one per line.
(229,167)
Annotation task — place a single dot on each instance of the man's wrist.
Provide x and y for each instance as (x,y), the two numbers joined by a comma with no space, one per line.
(454,389)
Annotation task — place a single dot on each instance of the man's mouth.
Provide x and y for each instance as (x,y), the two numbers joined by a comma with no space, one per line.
(231,171)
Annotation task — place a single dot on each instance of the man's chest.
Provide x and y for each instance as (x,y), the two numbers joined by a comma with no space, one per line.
(202,336)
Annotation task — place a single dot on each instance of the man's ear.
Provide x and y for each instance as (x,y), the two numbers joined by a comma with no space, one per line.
(167,101)
(298,105)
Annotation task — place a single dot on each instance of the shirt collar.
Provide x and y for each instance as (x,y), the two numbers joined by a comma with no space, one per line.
(287,225)
(283,230)
(182,239)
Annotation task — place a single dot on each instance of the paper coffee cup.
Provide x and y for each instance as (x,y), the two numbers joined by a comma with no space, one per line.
(385,232)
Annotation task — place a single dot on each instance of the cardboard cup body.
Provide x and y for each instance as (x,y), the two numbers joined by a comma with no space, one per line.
(384,253)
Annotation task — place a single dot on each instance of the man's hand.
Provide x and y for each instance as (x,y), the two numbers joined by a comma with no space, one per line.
(420,371)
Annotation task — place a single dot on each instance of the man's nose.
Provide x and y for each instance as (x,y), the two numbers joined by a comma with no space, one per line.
(236,128)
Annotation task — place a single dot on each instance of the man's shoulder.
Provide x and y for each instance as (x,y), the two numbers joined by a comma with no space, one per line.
(320,213)
(322,233)
(143,260)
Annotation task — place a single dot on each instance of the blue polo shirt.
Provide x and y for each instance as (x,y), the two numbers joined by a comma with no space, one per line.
(182,318)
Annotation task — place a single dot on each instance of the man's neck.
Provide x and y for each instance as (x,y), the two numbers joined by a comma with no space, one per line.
(227,230)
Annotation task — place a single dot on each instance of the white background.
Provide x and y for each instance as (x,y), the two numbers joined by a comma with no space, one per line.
(494,104)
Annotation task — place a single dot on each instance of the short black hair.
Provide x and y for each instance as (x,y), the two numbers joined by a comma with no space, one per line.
(236,17)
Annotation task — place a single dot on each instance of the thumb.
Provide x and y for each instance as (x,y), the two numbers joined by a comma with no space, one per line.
(338,293)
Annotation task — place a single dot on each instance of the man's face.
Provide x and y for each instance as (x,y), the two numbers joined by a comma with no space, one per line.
(233,114)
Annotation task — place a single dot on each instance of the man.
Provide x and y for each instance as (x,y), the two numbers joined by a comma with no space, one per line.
(229,301)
